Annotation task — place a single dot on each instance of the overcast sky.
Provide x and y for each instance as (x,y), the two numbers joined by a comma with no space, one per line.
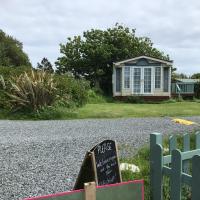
(172,25)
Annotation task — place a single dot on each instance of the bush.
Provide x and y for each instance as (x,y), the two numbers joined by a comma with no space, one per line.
(31,91)
(94,97)
(41,95)
(8,72)
(135,99)
(72,92)
(5,74)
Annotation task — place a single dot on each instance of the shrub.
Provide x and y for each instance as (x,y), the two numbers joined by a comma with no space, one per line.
(8,72)
(72,92)
(135,99)
(5,74)
(31,90)
(94,97)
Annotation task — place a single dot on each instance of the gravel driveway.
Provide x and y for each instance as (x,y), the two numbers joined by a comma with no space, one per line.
(43,157)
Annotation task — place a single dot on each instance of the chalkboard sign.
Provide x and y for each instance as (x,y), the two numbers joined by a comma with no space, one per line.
(101,165)
(106,161)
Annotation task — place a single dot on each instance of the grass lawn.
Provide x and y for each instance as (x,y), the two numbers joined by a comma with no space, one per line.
(115,110)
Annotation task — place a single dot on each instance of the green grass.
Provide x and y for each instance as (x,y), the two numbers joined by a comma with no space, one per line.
(141,159)
(112,110)
(116,110)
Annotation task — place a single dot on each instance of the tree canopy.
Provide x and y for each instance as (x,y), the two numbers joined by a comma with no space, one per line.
(196,76)
(45,65)
(92,54)
(11,52)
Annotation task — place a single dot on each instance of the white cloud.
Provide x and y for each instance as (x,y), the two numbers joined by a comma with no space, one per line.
(173,25)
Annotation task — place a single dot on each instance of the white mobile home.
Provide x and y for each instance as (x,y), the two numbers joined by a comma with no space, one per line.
(142,76)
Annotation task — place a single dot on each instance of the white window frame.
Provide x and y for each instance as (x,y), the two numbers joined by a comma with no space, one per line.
(128,75)
(142,80)
(156,76)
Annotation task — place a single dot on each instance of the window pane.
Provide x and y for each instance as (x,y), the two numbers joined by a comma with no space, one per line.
(157,77)
(118,79)
(127,77)
(147,80)
(137,80)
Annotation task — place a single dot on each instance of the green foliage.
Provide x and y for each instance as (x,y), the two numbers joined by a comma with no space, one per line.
(179,99)
(31,91)
(37,94)
(72,92)
(11,52)
(5,74)
(8,72)
(171,100)
(95,98)
(135,99)
(177,76)
(45,65)
(141,159)
(196,76)
(92,55)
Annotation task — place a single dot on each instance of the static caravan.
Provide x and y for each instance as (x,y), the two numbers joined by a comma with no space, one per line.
(142,76)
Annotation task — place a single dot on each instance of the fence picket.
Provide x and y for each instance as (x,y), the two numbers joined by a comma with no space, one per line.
(186,147)
(172,143)
(176,172)
(197,140)
(155,157)
(195,177)
(157,175)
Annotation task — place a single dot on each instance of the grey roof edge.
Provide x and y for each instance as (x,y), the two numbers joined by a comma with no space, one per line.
(170,62)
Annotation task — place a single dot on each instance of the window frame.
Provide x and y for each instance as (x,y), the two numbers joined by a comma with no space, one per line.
(158,78)
(127,77)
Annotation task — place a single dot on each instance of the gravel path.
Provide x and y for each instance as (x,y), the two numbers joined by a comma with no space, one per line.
(43,157)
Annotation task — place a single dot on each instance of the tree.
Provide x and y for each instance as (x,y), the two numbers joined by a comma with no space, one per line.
(92,55)
(196,76)
(45,65)
(179,76)
(11,52)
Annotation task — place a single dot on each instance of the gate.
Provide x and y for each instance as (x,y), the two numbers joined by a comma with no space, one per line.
(176,166)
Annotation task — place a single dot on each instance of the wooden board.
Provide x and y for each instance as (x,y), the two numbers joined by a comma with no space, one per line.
(101,165)
(132,190)
(86,173)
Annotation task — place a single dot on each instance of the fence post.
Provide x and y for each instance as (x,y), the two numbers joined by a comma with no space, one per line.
(156,165)
(90,191)
(176,172)
(195,177)
(186,147)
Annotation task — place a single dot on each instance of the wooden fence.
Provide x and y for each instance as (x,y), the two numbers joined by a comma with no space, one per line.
(176,166)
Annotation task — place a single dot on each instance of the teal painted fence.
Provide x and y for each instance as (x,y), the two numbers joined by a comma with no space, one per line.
(176,166)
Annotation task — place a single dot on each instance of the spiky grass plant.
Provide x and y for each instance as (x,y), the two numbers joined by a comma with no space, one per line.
(32,90)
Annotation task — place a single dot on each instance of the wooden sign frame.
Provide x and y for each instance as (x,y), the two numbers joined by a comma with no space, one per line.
(131,190)
(88,170)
